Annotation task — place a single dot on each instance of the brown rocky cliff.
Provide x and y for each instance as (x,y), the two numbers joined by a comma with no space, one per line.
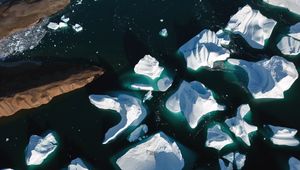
(19,15)
(31,85)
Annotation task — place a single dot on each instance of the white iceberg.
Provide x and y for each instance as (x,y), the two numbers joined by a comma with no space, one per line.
(252,26)
(193,100)
(130,108)
(268,78)
(164,84)
(138,132)
(239,160)
(77,28)
(145,87)
(294,163)
(291,5)
(39,148)
(77,164)
(65,19)
(216,138)
(204,50)
(290,44)
(148,96)
(239,126)
(158,152)
(224,167)
(233,158)
(148,66)
(164,33)
(224,38)
(284,136)
(53,26)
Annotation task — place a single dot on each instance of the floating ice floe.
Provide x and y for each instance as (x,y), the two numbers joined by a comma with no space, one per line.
(239,126)
(216,138)
(77,28)
(284,136)
(130,108)
(268,78)
(252,26)
(137,133)
(148,66)
(233,158)
(164,33)
(290,44)
(193,100)
(148,96)
(164,84)
(65,19)
(294,163)
(39,148)
(55,26)
(158,152)
(205,49)
(223,165)
(77,164)
(291,5)
(22,40)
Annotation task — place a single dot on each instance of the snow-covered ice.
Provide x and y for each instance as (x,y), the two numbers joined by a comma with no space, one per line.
(284,136)
(65,19)
(138,132)
(77,27)
(294,163)
(234,158)
(216,138)
(291,5)
(148,66)
(77,164)
(290,44)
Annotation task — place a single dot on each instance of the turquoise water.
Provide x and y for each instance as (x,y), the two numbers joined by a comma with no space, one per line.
(116,35)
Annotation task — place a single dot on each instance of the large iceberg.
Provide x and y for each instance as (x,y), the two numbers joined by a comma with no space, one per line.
(39,148)
(268,78)
(193,100)
(148,66)
(291,5)
(204,50)
(158,152)
(233,158)
(252,26)
(77,164)
(130,108)
(137,133)
(239,126)
(284,136)
(294,163)
(216,138)
(290,44)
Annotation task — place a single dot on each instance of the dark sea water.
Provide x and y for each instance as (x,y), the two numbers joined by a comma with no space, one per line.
(117,33)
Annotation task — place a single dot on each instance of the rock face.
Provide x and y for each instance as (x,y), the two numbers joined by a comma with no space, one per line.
(194,101)
(158,152)
(30,85)
(291,5)
(130,108)
(284,136)
(204,50)
(268,78)
(39,148)
(290,44)
(19,15)
(252,26)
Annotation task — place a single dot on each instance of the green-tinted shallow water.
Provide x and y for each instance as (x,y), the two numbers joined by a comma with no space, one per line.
(116,35)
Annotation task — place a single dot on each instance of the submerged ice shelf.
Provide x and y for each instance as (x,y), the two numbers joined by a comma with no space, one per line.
(130,108)
(158,152)
(194,101)
(268,78)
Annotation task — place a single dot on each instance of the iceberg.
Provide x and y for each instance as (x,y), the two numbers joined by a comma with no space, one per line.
(65,19)
(39,148)
(239,126)
(216,138)
(164,33)
(193,100)
(148,96)
(138,132)
(290,44)
(291,5)
(233,158)
(148,66)
(145,87)
(53,26)
(158,152)
(284,136)
(268,78)
(77,28)
(77,164)
(164,84)
(294,163)
(224,167)
(252,26)
(130,108)
(204,50)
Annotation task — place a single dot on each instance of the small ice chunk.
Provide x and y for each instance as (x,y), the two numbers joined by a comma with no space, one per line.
(290,44)
(65,19)
(284,136)
(164,33)
(53,25)
(216,138)
(77,28)
(229,157)
(291,5)
(224,167)
(39,148)
(62,25)
(77,164)
(148,66)
(164,84)
(239,160)
(233,158)
(130,108)
(252,26)
(204,50)
(138,132)
(145,87)
(158,152)
(239,126)
(268,78)
(294,163)
(148,96)
(194,101)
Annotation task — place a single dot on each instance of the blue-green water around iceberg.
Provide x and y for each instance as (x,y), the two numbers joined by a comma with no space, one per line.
(116,35)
